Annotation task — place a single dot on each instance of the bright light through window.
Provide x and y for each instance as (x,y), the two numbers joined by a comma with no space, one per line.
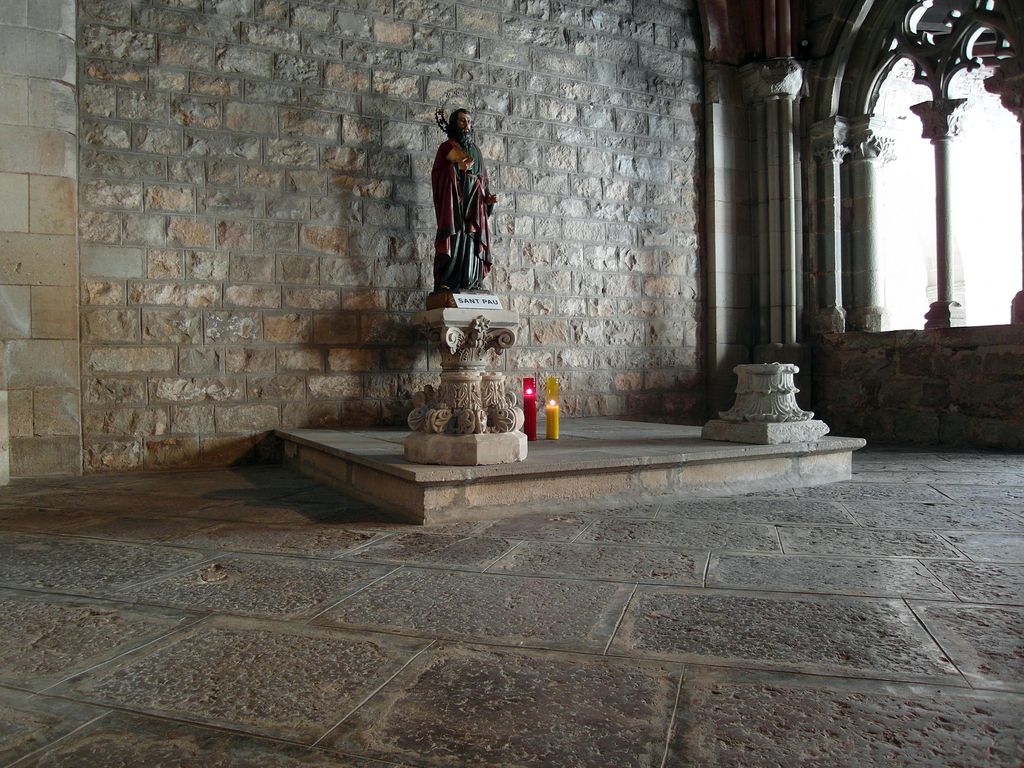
(986,199)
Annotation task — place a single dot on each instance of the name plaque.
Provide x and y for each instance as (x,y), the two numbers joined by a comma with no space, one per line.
(476,301)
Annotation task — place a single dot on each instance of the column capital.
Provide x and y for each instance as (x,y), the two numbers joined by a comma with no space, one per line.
(941,118)
(828,140)
(772,79)
(1008,84)
(870,138)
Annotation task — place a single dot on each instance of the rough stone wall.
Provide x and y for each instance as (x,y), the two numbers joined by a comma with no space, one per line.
(40,423)
(957,386)
(257,231)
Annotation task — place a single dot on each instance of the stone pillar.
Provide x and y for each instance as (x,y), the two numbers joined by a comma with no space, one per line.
(828,143)
(772,88)
(942,120)
(40,422)
(731,262)
(1008,84)
(870,149)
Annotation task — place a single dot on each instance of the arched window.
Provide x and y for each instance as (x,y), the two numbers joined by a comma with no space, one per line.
(949,55)
(985,203)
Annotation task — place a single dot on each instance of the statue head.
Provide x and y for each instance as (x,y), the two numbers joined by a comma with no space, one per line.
(460,127)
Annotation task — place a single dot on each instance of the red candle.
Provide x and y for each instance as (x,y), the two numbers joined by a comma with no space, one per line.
(530,408)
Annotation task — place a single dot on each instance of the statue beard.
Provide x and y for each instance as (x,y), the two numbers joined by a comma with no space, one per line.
(466,139)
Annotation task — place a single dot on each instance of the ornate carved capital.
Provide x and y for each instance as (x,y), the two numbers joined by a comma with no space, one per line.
(465,346)
(772,79)
(1008,84)
(870,138)
(766,394)
(828,141)
(941,118)
(469,400)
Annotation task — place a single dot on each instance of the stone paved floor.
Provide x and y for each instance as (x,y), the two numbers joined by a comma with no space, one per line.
(253,618)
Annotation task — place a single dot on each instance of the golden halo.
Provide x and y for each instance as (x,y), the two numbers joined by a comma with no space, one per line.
(440,116)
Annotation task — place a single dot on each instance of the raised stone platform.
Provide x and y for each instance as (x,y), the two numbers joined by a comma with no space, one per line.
(594,458)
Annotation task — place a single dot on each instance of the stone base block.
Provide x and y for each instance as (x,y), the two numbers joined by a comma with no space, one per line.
(465,450)
(760,433)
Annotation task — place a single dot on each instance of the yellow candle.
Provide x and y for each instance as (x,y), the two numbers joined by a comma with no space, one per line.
(551,412)
(551,390)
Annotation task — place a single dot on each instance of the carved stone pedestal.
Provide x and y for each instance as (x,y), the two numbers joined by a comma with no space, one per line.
(470,419)
(765,411)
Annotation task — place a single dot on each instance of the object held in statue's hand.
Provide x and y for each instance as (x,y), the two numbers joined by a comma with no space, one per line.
(460,158)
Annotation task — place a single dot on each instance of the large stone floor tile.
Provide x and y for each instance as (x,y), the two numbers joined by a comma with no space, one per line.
(137,741)
(122,501)
(269,679)
(82,565)
(254,483)
(949,516)
(1002,547)
(459,706)
(645,508)
(899,456)
(936,478)
(864,542)
(29,722)
(832,575)
(985,641)
(982,582)
(434,549)
(684,534)
(746,510)
(742,720)
(47,638)
(765,493)
(512,610)
(967,460)
(259,586)
(851,491)
(459,528)
(835,635)
(36,520)
(285,511)
(145,529)
(989,476)
(552,526)
(992,494)
(596,561)
(865,463)
(313,539)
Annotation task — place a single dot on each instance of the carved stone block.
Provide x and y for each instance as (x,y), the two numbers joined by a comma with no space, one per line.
(764,433)
(765,411)
(465,450)
(470,401)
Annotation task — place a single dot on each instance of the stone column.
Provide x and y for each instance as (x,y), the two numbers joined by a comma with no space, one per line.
(828,143)
(871,148)
(771,88)
(942,119)
(1008,84)
(40,422)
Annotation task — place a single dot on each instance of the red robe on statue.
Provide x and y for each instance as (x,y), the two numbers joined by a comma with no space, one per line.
(462,203)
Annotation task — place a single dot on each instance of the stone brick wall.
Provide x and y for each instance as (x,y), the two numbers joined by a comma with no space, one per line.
(40,423)
(957,386)
(256,222)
